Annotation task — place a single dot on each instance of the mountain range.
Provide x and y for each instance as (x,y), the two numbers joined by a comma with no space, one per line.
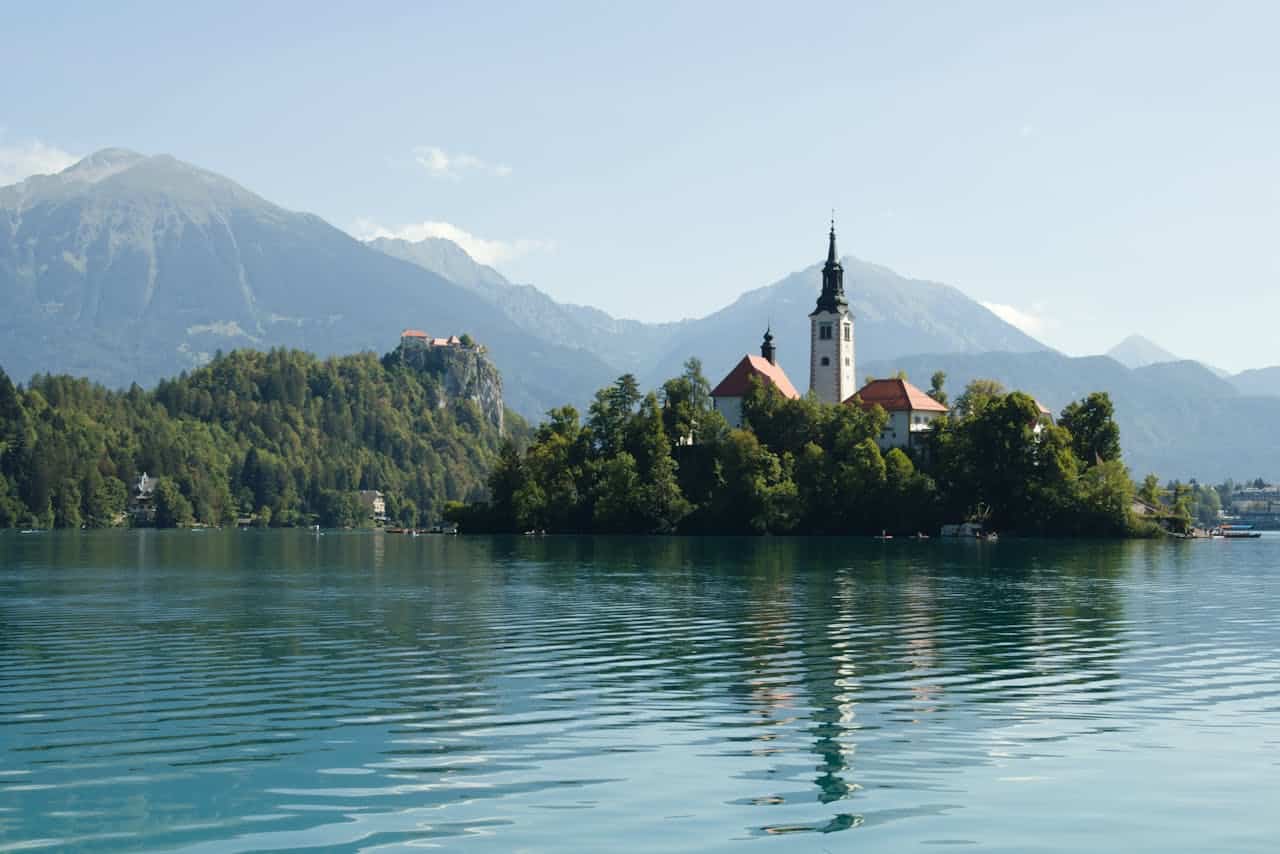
(896,316)
(127,268)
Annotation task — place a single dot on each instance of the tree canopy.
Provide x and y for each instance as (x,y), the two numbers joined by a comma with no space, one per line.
(280,436)
(668,462)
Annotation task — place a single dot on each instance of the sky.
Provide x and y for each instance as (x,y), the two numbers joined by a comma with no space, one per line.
(1088,170)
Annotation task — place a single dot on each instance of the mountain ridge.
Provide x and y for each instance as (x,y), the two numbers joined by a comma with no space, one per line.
(127,267)
(898,315)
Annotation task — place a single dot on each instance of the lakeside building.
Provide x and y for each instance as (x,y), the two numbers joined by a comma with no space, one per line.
(374,504)
(911,412)
(727,397)
(1256,505)
(142,503)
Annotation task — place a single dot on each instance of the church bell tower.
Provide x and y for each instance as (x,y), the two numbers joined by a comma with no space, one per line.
(831,368)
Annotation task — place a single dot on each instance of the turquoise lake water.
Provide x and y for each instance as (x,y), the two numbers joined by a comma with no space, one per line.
(228,691)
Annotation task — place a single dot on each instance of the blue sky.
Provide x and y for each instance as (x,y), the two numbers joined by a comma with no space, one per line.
(1092,170)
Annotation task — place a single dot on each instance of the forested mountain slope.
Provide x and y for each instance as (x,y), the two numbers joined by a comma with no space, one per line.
(284,436)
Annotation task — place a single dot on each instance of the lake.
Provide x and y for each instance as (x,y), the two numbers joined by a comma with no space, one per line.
(229,691)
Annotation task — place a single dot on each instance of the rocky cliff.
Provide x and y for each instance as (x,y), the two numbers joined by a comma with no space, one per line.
(462,373)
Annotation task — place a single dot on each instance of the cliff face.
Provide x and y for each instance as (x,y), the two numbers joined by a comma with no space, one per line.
(463,373)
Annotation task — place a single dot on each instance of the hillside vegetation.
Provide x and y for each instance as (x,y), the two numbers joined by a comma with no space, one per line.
(282,436)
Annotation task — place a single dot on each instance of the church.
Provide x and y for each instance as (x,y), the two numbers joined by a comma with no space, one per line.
(831,369)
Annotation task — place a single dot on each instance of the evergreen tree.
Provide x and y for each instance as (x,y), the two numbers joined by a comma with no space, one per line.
(1094,433)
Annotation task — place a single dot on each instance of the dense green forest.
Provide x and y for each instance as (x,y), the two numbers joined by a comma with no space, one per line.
(668,462)
(281,437)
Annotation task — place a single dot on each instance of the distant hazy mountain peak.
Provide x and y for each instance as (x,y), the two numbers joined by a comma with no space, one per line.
(100,165)
(1138,352)
(444,258)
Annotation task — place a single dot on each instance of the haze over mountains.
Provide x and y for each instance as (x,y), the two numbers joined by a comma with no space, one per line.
(129,268)
(126,268)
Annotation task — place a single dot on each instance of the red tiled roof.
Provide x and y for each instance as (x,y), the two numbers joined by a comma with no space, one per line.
(738,381)
(413,333)
(896,396)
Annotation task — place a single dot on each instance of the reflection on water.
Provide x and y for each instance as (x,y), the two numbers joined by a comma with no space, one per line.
(227,691)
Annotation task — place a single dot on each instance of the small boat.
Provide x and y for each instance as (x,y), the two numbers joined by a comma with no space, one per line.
(1238,532)
(920,535)
(884,535)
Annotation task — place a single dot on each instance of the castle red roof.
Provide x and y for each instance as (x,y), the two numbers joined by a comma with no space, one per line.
(896,395)
(738,381)
(413,333)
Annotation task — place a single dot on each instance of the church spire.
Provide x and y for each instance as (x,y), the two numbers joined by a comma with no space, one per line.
(832,298)
(767,350)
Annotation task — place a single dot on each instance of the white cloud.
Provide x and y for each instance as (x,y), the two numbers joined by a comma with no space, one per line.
(1031,322)
(441,164)
(22,160)
(485,251)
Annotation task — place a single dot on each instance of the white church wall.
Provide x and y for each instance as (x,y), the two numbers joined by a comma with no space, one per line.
(730,408)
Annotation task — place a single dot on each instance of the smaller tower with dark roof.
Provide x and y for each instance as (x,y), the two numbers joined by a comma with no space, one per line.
(726,398)
(767,349)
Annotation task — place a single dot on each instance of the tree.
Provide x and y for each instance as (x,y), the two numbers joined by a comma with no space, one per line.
(610,411)
(1094,433)
(104,499)
(507,485)
(757,495)
(66,504)
(1105,496)
(977,395)
(698,384)
(1150,490)
(936,382)
(339,509)
(662,504)
(172,507)
(1206,506)
(617,494)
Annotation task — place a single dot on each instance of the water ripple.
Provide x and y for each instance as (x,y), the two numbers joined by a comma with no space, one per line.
(240,692)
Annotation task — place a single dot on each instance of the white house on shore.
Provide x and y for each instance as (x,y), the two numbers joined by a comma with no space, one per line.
(911,412)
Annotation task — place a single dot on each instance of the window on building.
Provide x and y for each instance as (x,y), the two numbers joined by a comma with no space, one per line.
(846,361)
(824,331)
(825,361)
(848,332)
